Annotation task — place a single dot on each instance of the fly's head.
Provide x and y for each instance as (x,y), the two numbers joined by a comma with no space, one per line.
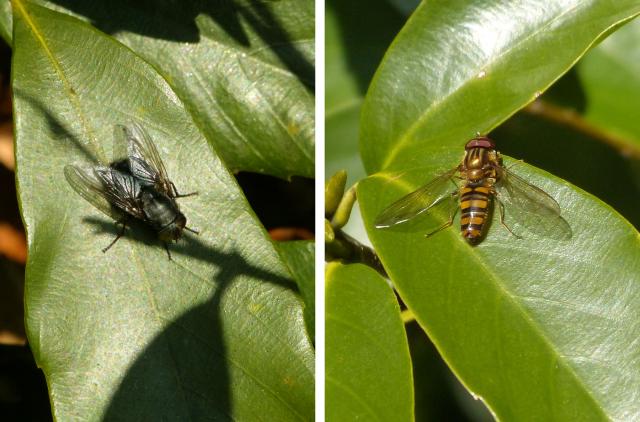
(173,231)
(480,159)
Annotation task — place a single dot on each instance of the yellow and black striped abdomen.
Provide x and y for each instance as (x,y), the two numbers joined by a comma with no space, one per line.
(474,207)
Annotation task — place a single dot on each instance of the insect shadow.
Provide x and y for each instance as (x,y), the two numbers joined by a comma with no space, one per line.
(194,343)
(192,246)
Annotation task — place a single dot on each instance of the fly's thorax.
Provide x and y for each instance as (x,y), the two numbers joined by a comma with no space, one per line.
(480,163)
(159,209)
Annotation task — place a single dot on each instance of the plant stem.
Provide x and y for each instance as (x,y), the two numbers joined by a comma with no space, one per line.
(348,250)
(569,117)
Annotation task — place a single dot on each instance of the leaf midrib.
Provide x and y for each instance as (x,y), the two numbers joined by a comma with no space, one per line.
(500,288)
(68,89)
(405,137)
(505,293)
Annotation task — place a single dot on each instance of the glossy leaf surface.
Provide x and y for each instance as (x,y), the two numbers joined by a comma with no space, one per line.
(244,70)
(217,332)
(368,368)
(539,329)
(461,68)
(533,326)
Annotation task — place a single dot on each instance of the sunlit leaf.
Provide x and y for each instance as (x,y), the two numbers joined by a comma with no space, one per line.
(464,67)
(539,329)
(244,70)
(368,368)
(535,327)
(217,332)
(299,256)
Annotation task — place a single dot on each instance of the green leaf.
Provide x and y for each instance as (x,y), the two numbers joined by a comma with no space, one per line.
(539,329)
(368,368)
(458,68)
(299,256)
(245,71)
(610,77)
(215,333)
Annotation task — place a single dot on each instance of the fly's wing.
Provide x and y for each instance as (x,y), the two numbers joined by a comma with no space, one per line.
(144,161)
(120,144)
(438,192)
(87,185)
(531,207)
(109,190)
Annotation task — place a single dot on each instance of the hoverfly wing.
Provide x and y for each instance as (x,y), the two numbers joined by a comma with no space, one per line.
(144,161)
(112,192)
(437,191)
(87,184)
(531,207)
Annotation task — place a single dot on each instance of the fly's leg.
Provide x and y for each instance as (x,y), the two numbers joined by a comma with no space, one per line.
(501,208)
(442,227)
(445,225)
(124,226)
(166,248)
(179,195)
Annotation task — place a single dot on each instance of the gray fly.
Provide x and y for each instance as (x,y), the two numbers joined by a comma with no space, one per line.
(135,185)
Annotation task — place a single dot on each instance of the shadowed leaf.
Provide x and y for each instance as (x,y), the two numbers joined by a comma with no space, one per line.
(215,333)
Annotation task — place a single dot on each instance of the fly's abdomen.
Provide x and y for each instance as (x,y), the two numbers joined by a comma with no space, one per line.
(474,207)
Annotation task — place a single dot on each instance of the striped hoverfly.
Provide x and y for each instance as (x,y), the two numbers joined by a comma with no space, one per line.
(134,186)
(473,186)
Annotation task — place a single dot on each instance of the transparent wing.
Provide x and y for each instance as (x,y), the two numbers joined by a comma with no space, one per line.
(86,184)
(121,190)
(110,191)
(418,201)
(120,144)
(531,207)
(144,161)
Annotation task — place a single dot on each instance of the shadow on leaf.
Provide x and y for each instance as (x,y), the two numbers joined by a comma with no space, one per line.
(178,21)
(199,376)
